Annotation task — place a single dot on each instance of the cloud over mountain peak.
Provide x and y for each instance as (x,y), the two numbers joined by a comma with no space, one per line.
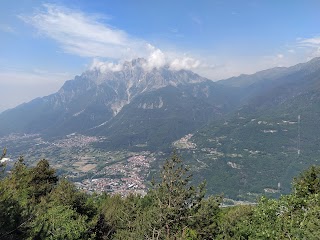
(86,35)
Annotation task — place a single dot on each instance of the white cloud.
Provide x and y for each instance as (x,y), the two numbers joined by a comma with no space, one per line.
(312,46)
(310,42)
(87,36)
(90,36)
(155,59)
(82,34)
(184,63)
(105,66)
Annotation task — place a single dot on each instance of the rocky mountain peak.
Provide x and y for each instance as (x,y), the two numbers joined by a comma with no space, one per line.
(138,73)
(138,62)
(123,83)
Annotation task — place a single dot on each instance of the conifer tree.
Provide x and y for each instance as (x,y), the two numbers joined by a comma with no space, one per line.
(177,201)
(308,182)
(42,180)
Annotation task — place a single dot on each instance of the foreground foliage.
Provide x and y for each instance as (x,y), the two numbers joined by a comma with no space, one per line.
(36,204)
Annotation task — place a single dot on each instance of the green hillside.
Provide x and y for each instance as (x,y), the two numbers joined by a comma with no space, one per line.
(263,145)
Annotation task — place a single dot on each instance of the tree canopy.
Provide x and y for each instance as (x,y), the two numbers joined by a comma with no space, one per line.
(37,204)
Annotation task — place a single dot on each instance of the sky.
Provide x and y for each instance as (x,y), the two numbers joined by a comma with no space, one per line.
(45,43)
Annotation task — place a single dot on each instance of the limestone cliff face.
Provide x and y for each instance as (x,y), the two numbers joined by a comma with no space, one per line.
(94,98)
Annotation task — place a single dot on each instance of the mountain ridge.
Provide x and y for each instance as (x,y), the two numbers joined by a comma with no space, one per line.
(92,99)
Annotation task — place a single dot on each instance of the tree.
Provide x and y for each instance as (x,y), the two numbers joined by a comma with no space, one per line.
(308,182)
(136,216)
(10,214)
(293,216)
(13,204)
(65,193)
(236,222)
(179,204)
(206,219)
(42,180)
(58,222)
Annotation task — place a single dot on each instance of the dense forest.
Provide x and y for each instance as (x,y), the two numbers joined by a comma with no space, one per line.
(37,204)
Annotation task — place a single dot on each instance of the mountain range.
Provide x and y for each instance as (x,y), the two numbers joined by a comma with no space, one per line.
(247,134)
(132,106)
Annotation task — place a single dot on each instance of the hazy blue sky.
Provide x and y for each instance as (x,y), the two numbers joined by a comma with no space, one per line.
(44,43)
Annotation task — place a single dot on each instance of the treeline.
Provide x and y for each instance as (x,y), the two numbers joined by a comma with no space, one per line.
(36,204)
